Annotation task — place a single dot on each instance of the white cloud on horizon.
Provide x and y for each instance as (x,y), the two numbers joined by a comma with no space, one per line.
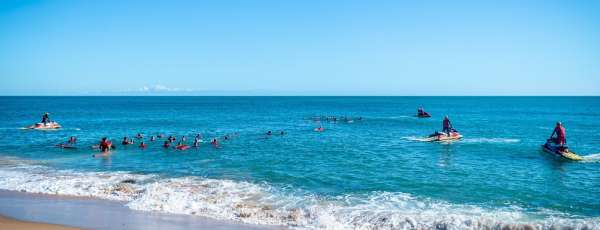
(161,88)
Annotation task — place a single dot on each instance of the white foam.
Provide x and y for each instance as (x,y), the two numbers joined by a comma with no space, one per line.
(415,138)
(490,140)
(592,158)
(264,204)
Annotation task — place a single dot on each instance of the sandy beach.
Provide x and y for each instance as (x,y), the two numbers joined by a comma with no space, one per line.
(19,210)
(9,223)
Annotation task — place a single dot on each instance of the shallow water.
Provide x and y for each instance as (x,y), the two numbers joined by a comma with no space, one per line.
(371,173)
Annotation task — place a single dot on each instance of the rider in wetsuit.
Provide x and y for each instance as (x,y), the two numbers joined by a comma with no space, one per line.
(46,118)
(446,126)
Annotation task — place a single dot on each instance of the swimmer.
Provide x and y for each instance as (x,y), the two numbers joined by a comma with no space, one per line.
(105,145)
(126,141)
(181,146)
(142,145)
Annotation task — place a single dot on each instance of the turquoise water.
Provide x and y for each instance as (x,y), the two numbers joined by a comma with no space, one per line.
(498,166)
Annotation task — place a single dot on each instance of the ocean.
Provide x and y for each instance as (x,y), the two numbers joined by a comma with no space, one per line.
(372,171)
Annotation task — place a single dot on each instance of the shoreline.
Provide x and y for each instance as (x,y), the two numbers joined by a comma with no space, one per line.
(57,212)
(10,223)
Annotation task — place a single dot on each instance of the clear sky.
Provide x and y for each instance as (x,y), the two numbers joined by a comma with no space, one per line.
(300,47)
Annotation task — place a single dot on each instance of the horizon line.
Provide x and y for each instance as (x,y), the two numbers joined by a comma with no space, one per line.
(299,95)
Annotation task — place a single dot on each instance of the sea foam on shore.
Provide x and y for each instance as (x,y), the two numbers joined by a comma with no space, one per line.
(265,204)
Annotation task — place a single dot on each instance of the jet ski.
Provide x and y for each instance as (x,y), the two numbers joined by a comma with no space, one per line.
(562,151)
(441,136)
(423,115)
(47,126)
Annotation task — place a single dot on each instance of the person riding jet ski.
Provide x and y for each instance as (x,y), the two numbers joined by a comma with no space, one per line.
(447,126)
(560,139)
(46,118)
(421,112)
(561,135)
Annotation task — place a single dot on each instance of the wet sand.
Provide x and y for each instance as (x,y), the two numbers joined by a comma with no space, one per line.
(89,213)
(9,223)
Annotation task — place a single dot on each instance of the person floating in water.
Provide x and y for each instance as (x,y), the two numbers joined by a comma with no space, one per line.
(139,136)
(269,132)
(561,135)
(126,141)
(152,138)
(182,138)
(166,144)
(214,142)
(45,118)
(446,126)
(180,146)
(105,145)
(72,140)
(142,145)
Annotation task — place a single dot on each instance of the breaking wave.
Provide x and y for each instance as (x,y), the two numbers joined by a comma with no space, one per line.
(265,204)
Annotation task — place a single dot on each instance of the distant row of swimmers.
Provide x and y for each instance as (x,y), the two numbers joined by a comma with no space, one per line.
(336,119)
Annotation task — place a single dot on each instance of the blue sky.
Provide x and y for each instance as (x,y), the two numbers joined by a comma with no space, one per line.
(299,47)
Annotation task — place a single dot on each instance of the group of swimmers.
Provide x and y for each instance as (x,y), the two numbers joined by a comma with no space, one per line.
(172,139)
(106,145)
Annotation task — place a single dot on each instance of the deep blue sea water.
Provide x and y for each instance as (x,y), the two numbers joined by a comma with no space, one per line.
(353,175)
